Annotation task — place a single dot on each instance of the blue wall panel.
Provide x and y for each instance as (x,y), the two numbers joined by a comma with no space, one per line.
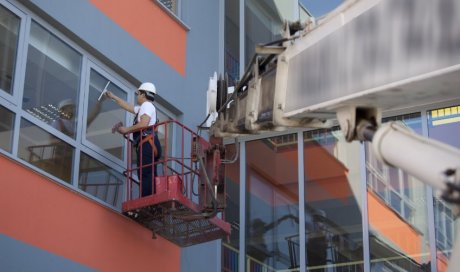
(18,256)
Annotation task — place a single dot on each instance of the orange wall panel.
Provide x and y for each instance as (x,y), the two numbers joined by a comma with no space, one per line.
(393,228)
(50,216)
(151,26)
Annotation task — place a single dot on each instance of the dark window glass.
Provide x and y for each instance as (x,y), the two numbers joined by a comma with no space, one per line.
(52,81)
(333,215)
(6,129)
(232,40)
(100,181)
(45,151)
(232,212)
(9,33)
(272,213)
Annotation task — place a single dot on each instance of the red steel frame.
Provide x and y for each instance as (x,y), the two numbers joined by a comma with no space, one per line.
(173,211)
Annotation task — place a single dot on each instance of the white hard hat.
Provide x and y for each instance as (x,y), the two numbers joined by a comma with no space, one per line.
(66,102)
(148,87)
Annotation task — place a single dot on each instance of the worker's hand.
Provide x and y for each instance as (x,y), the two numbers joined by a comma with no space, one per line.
(110,95)
(122,130)
(116,126)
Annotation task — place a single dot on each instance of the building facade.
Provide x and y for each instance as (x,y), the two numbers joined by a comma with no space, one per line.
(302,200)
(63,182)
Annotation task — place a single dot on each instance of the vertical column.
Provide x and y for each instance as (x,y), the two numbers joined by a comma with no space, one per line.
(242,256)
(430,204)
(221,65)
(301,177)
(364,210)
(242,39)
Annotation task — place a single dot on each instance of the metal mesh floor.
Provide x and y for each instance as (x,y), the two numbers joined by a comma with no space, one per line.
(179,224)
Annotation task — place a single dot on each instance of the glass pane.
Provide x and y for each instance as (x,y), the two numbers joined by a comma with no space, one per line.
(9,32)
(333,208)
(45,151)
(408,212)
(230,250)
(444,126)
(272,219)
(171,5)
(52,80)
(395,202)
(103,115)
(100,181)
(263,22)
(232,40)
(393,176)
(6,129)
(407,185)
(398,224)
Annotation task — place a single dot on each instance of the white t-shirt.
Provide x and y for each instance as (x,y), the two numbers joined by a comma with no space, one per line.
(146,108)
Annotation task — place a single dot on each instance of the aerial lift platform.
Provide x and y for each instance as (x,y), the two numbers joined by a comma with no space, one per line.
(188,200)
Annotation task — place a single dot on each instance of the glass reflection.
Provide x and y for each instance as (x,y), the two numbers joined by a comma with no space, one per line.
(263,22)
(398,222)
(230,250)
(333,208)
(101,116)
(6,129)
(45,151)
(100,181)
(272,229)
(443,125)
(9,32)
(232,40)
(52,80)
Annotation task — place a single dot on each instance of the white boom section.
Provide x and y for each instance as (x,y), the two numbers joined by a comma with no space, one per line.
(382,54)
(386,54)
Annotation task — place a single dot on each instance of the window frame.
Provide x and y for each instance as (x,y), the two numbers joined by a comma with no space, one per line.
(18,76)
(91,65)
(13,103)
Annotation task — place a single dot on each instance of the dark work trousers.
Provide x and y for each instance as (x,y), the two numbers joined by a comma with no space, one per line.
(145,161)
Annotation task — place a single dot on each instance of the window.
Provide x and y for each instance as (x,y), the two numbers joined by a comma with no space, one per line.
(232,41)
(52,81)
(230,248)
(398,224)
(100,181)
(272,213)
(45,151)
(103,114)
(6,129)
(172,5)
(443,125)
(333,218)
(63,128)
(9,35)
(392,184)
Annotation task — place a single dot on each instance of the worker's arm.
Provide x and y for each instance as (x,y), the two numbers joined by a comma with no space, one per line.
(143,123)
(123,104)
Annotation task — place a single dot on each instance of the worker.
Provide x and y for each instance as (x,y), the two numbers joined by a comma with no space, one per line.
(147,145)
